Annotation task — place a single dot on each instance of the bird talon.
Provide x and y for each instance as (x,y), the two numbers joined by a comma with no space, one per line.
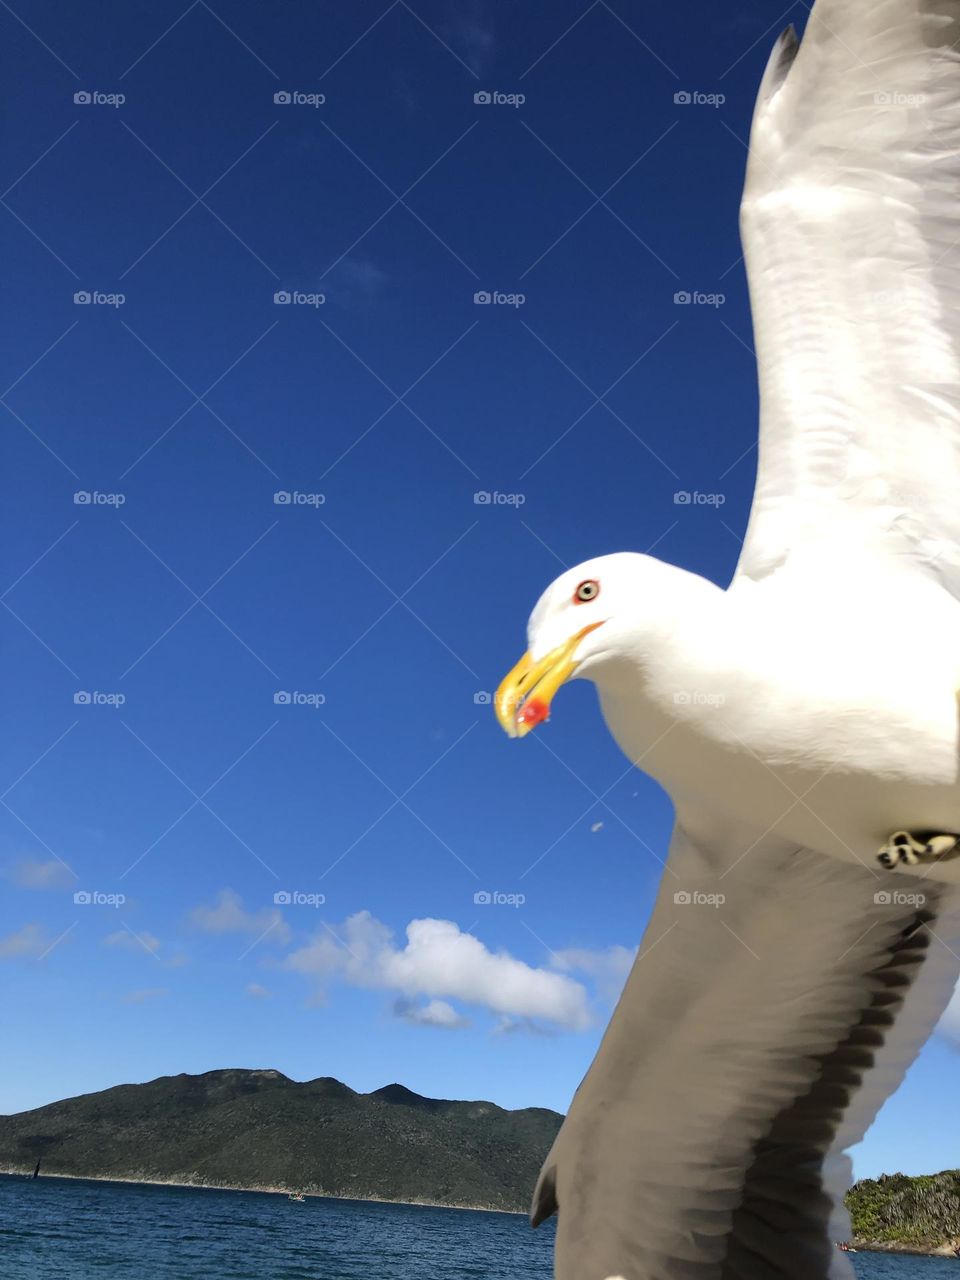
(904,848)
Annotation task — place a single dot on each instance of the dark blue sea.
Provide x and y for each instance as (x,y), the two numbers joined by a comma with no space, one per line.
(54,1229)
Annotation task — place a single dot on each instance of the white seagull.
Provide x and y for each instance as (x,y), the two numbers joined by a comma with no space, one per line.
(805,719)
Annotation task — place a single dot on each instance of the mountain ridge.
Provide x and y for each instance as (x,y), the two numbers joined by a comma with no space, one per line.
(258,1129)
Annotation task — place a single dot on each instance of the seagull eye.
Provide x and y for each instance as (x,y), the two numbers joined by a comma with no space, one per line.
(586,591)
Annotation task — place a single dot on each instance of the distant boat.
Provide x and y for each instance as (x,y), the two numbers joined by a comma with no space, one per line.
(845,1248)
(296,1197)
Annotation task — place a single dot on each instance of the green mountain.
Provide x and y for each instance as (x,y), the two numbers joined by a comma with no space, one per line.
(259,1129)
(919,1215)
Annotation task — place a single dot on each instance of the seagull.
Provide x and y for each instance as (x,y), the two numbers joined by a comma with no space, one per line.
(804,942)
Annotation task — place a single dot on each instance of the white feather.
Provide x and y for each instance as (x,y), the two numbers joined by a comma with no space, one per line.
(852,243)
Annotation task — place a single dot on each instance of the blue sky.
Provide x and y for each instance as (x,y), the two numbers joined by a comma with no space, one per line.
(382,398)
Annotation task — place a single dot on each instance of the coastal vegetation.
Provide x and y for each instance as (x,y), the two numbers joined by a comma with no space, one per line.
(903,1214)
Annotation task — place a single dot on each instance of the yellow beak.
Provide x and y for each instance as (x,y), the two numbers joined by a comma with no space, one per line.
(523,699)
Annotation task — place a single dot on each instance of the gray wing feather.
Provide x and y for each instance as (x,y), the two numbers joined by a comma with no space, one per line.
(755,1034)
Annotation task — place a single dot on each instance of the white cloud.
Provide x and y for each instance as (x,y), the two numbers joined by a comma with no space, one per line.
(608,969)
(28,941)
(33,874)
(435,1013)
(228,915)
(130,941)
(439,961)
(257,991)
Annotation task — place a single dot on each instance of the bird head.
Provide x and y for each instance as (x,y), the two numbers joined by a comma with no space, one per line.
(574,625)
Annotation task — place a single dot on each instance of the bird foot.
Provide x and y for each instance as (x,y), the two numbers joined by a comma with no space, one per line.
(905,849)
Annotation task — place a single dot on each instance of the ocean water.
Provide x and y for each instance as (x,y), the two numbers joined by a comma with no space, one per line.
(60,1229)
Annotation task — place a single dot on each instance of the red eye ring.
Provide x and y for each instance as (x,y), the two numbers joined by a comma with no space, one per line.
(588,590)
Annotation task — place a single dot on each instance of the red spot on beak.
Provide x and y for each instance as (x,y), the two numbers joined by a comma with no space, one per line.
(533,712)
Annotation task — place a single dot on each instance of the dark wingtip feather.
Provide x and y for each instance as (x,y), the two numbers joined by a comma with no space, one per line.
(544,1197)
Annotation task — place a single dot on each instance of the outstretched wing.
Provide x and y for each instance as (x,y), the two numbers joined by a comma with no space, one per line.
(851,230)
(763,1025)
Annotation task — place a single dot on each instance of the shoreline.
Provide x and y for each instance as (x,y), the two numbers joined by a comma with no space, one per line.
(860,1246)
(905,1250)
(258,1188)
